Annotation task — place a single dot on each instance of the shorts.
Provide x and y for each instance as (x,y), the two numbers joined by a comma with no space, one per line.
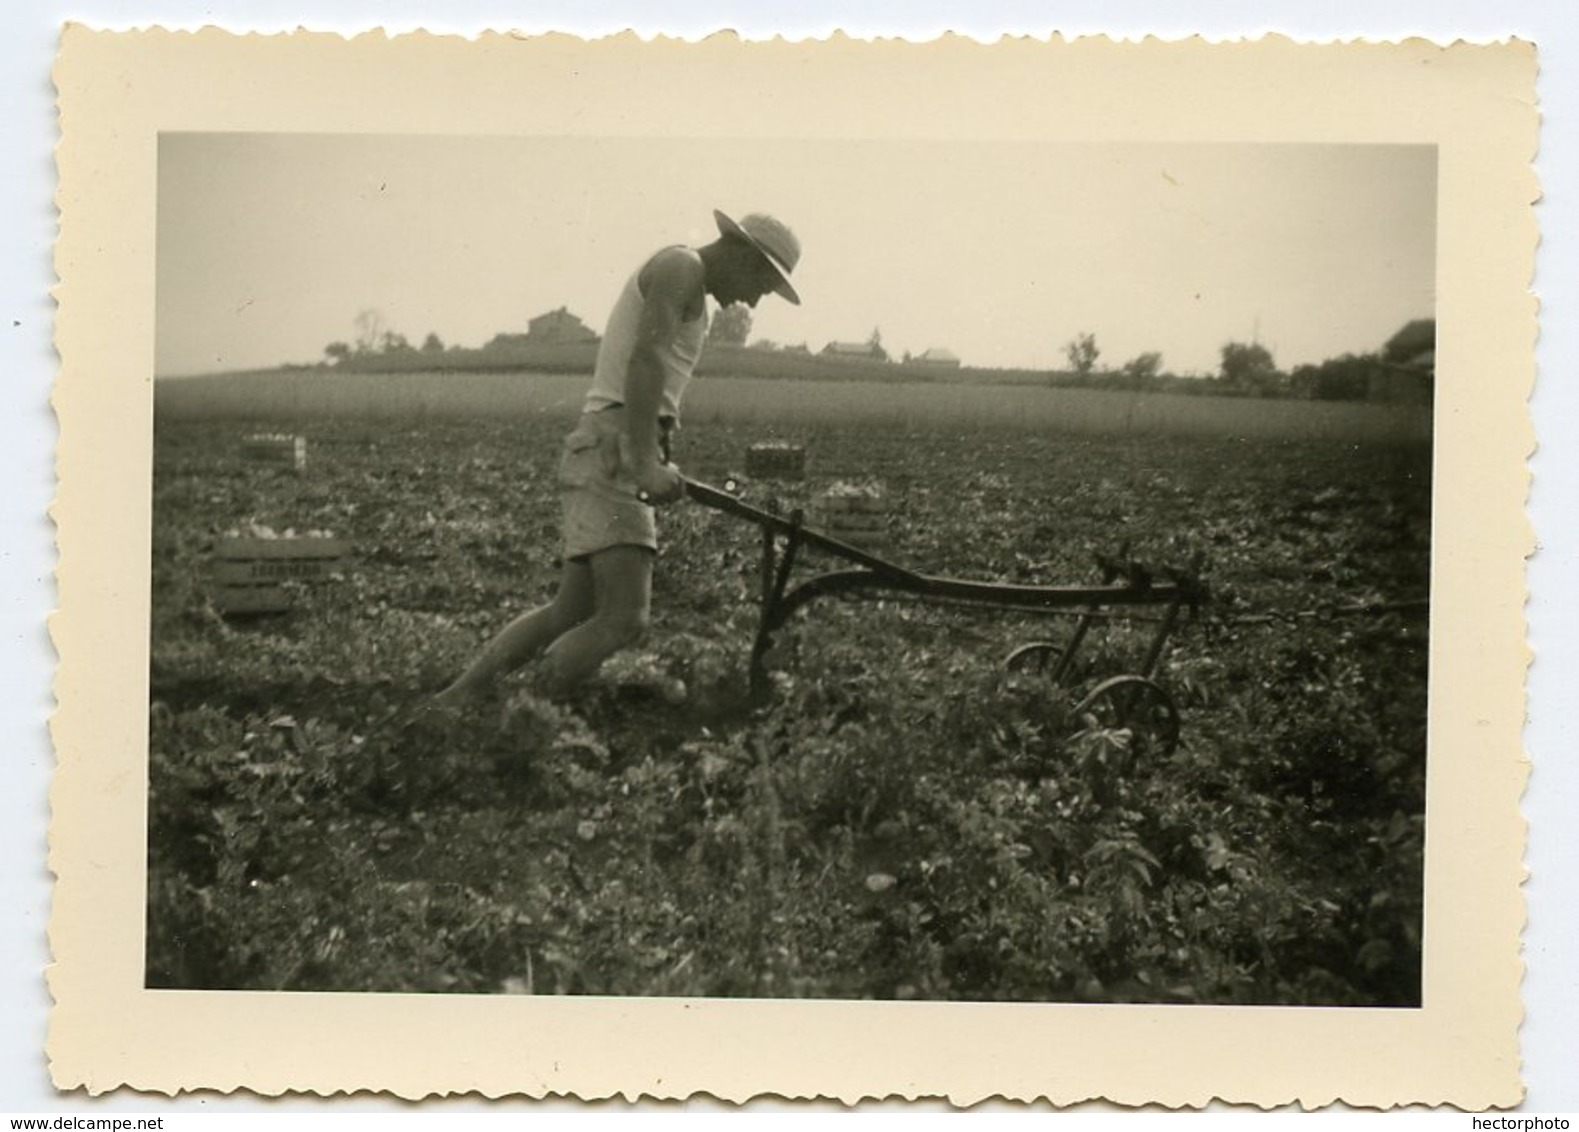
(598,490)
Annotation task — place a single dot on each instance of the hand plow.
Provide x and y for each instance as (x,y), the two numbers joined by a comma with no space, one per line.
(1130,700)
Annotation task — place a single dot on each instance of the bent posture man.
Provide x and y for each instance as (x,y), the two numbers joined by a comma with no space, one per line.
(615,464)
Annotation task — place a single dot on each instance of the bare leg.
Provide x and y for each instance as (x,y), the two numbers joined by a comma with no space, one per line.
(527,636)
(622,587)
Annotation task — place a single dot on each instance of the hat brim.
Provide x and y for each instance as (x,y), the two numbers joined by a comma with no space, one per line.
(728,227)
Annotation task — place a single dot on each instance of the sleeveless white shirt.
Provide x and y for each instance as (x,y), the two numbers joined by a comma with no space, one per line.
(678,356)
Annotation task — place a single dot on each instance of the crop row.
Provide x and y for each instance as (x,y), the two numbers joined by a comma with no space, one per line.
(768,403)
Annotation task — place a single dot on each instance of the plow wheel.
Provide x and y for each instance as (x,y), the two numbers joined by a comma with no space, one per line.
(1138,705)
(1037,658)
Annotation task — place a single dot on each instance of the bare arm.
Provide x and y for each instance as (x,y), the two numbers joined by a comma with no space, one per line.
(671,285)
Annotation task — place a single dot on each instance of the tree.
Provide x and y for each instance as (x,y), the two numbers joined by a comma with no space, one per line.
(394,342)
(432,344)
(1082,352)
(876,343)
(369,330)
(1248,367)
(337,352)
(731,325)
(1143,368)
(1344,378)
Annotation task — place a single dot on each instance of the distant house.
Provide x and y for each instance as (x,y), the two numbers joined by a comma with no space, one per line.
(853,350)
(937,356)
(1415,341)
(1406,373)
(558,327)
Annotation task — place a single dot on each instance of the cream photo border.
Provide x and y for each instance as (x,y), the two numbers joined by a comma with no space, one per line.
(118,91)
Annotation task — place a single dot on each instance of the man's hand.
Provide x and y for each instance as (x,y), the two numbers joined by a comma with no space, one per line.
(659,483)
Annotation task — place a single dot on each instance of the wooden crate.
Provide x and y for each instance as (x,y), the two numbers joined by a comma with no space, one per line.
(253,599)
(776,461)
(285,452)
(856,515)
(253,575)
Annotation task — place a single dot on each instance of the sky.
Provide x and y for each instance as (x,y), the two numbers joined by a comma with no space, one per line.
(269,245)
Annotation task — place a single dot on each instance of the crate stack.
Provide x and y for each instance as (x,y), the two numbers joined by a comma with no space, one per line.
(856,513)
(259,571)
(255,569)
(777,460)
(276,450)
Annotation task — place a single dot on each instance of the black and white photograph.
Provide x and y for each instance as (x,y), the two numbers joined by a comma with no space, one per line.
(807,584)
(854,570)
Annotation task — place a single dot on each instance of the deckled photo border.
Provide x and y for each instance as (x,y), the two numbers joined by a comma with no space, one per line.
(118,91)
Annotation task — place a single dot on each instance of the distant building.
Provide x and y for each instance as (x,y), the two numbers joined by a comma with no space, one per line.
(1414,345)
(853,350)
(937,356)
(558,327)
(1406,373)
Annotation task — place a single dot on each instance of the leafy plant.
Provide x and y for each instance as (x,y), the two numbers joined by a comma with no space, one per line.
(904,819)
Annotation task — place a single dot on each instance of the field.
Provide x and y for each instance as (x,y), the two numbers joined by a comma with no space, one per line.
(774,402)
(903,819)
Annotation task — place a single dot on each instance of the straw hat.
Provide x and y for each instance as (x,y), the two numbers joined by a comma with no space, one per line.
(773,239)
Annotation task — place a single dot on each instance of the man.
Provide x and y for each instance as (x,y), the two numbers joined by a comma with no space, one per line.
(615,465)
